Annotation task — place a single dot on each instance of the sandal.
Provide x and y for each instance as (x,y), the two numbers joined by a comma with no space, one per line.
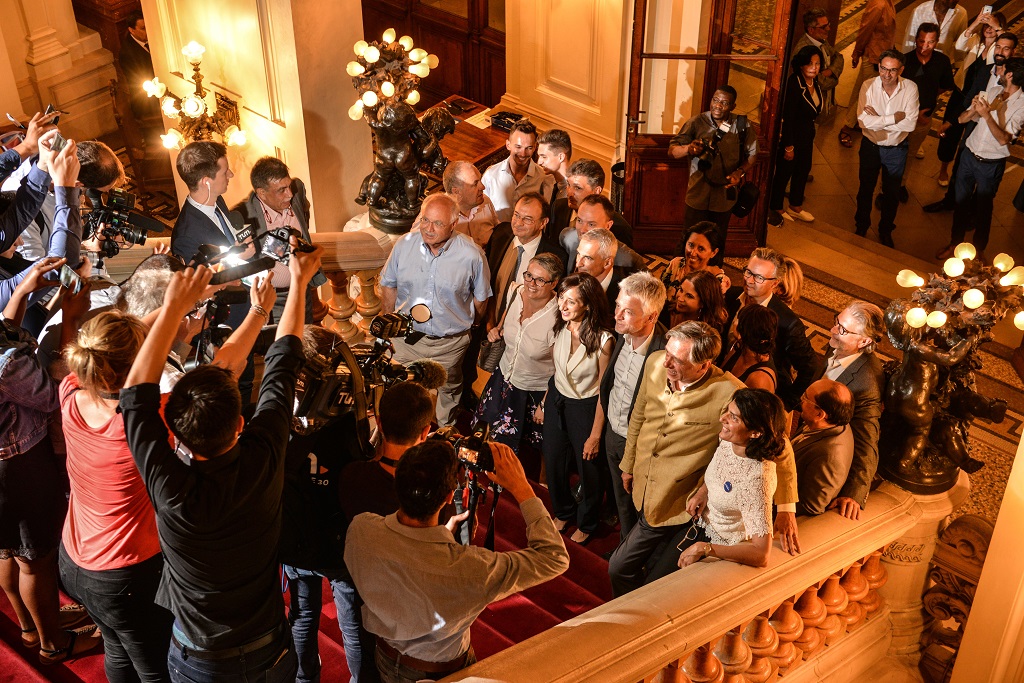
(846,137)
(581,537)
(561,525)
(69,617)
(84,638)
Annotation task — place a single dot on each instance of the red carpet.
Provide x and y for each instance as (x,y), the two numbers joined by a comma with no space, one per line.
(584,586)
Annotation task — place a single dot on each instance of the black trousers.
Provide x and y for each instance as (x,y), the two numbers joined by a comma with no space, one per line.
(668,560)
(614,448)
(977,181)
(567,425)
(793,172)
(890,162)
(626,567)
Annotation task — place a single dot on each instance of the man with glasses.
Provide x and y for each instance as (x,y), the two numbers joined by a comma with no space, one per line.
(888,108)
(823,447)
(447,272)
(596,212)
(816,29)
(852,361)
(717,169)
(794,358)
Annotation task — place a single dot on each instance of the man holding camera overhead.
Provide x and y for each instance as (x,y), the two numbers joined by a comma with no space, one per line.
(422,589)
(721,148)
(447,272)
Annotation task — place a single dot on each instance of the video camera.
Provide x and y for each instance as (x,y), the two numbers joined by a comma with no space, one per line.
(473,451)
(117,221)
(391,325)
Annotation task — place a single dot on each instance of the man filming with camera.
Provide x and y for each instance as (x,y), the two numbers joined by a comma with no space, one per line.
(422,589)
(722,148)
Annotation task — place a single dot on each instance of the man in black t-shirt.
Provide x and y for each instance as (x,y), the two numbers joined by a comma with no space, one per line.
(932,72)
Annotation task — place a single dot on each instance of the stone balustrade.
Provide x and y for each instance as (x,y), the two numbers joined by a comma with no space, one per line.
(814,616)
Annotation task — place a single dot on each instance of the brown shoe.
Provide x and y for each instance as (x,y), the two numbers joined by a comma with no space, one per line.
(945,252)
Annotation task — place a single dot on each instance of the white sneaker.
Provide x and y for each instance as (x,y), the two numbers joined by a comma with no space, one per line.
(800,215)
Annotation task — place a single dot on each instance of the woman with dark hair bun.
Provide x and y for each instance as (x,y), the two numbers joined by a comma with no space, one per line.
(750,358)
(731,513)
(802,103)
(572,415)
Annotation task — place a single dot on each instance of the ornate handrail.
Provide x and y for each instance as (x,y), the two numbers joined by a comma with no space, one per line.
(721,616)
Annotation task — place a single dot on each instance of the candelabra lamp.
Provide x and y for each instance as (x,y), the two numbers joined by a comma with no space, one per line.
(194,118)
(930,396)
(386,75)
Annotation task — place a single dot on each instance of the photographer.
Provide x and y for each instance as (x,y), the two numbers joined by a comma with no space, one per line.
(218,516)
(722,148)
(422,589)
(30,194)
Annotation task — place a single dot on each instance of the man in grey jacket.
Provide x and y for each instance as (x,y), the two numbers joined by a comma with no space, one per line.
(824,445)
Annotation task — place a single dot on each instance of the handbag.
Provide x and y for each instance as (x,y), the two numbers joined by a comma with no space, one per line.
(491,352)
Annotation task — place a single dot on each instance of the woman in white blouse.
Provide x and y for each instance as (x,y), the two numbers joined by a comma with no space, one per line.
(516,388)
(732,510)
(572,414)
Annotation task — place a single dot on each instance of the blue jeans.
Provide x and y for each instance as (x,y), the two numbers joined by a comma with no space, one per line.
(122,602)
(305,587)
(978,179)
(273,663)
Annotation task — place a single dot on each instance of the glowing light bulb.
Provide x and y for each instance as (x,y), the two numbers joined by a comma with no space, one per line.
(193,52)
(420,70)
(936,319)
(916,317)
(1014,277)
(173,139)
(371,55)
(370,99)
(355,69)
(406,42)
(1003,262)
(418,54)
(360,47)
(1018,320)
(169,107)
(235,136)
(355,112)
(193,106)
(953,267)
(433,61)
(965,250)
(154,88)
(973,298)
(908,278)
(387,88)
(413,97)
(389,35)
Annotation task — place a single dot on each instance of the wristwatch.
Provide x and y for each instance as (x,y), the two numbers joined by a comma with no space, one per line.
(708,550)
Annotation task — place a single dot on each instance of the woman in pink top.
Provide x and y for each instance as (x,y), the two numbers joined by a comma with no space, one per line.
(110,556)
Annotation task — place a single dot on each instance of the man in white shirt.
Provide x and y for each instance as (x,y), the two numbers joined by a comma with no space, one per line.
(638,335)
(554,151)
(952,21)
(476,212)
(887,110)
(596,256)
(506,181)
(999,112)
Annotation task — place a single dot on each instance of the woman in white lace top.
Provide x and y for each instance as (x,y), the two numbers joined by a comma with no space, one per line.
(732,510)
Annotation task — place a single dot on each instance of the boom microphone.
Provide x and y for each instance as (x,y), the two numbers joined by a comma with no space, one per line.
(428,373)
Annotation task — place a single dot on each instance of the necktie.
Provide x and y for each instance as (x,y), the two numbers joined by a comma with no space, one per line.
(224,227)
(506,279)
(146,46)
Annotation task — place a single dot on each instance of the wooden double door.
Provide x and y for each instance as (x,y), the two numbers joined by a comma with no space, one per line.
(680,53)
(468,37)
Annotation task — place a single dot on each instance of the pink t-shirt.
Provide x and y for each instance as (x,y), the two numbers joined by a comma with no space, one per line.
(111,523)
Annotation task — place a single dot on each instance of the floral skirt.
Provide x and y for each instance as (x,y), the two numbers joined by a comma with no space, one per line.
(509,411)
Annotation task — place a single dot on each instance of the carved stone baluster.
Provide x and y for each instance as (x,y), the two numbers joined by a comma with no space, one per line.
(673,673)
(703,666)
(789,626)
(368,302)
(875,573)
(734,654)
(341,306)
(856,587)
(836,600)
(812,610)
(762,639)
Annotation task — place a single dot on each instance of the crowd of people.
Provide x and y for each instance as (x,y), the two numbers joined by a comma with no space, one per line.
(687,409)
